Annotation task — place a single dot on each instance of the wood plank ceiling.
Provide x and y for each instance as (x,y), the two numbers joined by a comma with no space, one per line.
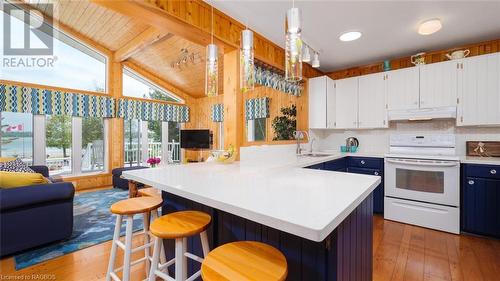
(113,31)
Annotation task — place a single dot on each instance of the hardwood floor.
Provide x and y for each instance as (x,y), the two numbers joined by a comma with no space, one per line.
(401,252)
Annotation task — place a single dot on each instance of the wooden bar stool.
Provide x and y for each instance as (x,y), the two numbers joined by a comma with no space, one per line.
(128,208)
(178,226)
(244,260)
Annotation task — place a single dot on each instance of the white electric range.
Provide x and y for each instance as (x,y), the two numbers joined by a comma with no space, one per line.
(422,181)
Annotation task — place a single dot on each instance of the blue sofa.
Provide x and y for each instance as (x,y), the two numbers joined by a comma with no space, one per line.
(118,182)
(31,216)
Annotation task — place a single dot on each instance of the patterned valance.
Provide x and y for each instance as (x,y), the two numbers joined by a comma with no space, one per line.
(257,108)
(145,110)
(37,100)
(269,78)
(218,112)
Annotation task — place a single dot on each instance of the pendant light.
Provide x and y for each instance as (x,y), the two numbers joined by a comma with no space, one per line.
(247,64)
(293,45)
(211,73)
(315,62)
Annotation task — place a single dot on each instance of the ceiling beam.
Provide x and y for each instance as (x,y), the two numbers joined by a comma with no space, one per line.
(140,42)
(158,18)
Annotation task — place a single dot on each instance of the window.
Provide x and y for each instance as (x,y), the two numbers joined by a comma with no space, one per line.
(132,139)
(93,144)
(256,129)
(58,131)
(174,138)
(154,139)
(75,65)
(16,135)
(137,86)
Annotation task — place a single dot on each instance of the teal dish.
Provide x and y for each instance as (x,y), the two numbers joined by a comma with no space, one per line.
(343,148)
(354,148)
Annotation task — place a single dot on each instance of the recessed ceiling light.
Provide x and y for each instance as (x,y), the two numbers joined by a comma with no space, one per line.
(429,26)
(350,36)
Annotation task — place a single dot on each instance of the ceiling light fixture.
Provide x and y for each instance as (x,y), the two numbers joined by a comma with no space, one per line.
(350,36)
(293,45)
(429,27)
(315,62)
(306,54)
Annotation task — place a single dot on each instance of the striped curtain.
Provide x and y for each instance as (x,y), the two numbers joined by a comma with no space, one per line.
(257,108)
(33,100)
(145,110)
(218,112)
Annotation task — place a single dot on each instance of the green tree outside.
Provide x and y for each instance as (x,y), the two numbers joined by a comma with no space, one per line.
(58,132)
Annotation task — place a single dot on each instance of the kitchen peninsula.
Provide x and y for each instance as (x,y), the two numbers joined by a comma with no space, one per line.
(320,220)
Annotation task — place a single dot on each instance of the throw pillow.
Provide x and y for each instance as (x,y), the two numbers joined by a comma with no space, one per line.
(14,179)
(16,165)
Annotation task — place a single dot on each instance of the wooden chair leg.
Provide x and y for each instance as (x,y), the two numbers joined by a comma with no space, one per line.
(132,189)
(112,257)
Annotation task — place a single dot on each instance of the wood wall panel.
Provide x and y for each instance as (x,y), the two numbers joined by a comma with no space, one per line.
(476,49)
(278,100)
(201,119)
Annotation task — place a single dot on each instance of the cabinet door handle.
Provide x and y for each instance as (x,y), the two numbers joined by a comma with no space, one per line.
(362,162)
(376,173)
(471,182)
(493,172)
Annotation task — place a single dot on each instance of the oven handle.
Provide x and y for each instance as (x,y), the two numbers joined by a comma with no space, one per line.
(416,163)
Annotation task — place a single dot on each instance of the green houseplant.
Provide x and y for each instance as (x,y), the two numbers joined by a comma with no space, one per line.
(285,124)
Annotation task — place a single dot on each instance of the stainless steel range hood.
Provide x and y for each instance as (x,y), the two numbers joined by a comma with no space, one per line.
(449,112)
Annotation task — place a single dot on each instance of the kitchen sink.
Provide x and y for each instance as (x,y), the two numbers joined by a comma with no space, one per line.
(313,155)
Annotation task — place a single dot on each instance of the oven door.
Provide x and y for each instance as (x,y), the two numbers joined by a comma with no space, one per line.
(431,181)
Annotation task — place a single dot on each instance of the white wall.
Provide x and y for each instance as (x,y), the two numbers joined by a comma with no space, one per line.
(377,140)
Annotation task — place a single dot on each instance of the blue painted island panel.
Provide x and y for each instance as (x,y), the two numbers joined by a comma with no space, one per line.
(346,254)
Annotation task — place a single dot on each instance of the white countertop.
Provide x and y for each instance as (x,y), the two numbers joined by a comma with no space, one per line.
(304,202)
(480,160)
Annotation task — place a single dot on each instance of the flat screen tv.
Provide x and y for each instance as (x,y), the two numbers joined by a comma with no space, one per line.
(195,139)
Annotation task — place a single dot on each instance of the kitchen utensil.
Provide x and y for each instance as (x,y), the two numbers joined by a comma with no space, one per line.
(351,141)
(460,54)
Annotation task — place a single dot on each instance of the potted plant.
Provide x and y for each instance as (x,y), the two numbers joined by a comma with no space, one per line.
(153,161)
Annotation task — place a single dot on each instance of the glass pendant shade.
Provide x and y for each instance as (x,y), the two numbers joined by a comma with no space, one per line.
(211,74)
(293,46)
(247,65)
(315,62)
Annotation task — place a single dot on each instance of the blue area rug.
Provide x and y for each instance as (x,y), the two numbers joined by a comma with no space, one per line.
(93,223)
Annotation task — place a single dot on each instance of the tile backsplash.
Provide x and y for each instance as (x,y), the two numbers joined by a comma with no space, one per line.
(377,140)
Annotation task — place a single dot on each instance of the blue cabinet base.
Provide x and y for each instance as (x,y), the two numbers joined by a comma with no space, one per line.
(346,254)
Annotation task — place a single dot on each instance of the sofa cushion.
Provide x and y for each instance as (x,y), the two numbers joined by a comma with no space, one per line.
(15,179)
(118,171)
(16,165)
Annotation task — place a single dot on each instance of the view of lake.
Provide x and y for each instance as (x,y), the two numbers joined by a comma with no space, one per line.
(23,148)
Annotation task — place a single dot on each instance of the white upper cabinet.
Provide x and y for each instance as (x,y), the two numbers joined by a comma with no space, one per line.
(346,103)
(479,91)
(438,84)
(321,93)
(372,101)
(403,89)
(330,104)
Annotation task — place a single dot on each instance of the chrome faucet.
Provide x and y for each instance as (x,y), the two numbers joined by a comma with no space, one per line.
(298,136)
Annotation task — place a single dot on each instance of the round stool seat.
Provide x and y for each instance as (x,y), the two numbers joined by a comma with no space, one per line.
(244,260)
(149,191)
(180,224)
(136,205)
